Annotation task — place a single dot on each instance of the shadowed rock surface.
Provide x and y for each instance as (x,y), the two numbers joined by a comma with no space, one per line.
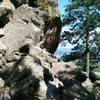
(6,10)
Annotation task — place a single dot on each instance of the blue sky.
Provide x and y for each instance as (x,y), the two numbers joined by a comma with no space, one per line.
(61,4)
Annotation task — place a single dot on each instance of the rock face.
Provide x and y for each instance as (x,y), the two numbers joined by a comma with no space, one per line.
(29,77)
(25,27)
(71,79)
(28,69)
(52,35)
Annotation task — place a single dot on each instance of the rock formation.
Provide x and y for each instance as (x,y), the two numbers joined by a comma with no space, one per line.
(28,68)
(25,27)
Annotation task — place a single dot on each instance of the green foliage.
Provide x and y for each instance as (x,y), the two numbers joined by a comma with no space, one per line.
(50,6)
(83,16)
(97,69)
(96,91)
(49,61)
(42,5)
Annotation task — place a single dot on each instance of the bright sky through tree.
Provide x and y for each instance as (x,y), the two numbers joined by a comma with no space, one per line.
(63,49)
(61,4)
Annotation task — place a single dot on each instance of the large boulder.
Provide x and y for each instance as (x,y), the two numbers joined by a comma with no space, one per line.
(44,56)
(60,67)
(27,80)
(71,79)
(25,27)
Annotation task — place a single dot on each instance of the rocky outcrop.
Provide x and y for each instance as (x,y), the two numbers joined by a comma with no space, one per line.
(29,80)
(52,35)
(33,78)
(71,78)
(28,68)
(25,27)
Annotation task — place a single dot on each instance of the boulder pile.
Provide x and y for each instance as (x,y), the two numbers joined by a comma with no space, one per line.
(28,68)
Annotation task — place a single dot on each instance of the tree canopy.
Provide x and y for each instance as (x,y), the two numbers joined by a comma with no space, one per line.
(83,16)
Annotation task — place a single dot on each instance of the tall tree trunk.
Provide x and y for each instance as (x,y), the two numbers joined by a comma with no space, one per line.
(87,55)
(88,63)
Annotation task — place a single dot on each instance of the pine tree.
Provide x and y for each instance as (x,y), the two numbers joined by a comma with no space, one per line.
(84,17)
